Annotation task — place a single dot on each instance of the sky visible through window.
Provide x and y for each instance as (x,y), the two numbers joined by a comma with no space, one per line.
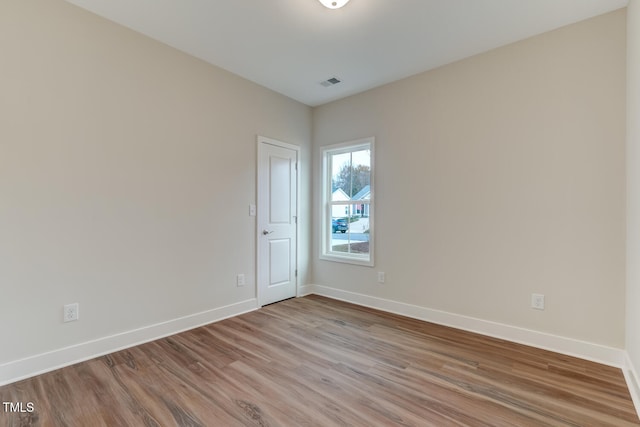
(351,179)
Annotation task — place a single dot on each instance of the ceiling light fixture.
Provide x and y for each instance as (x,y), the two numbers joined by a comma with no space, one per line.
(334,4)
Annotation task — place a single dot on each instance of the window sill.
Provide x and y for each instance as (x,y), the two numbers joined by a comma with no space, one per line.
(366,262)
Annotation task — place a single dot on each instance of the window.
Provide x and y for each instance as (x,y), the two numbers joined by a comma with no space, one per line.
(347,202)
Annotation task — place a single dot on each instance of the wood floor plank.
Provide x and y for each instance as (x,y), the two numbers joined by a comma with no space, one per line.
(314,361)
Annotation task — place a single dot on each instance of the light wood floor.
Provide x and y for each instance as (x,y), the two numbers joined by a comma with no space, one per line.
(318,362)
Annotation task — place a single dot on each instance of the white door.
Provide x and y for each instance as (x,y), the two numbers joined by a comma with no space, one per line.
(277,220)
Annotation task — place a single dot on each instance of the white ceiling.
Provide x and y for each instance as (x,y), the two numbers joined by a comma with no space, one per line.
(291,46)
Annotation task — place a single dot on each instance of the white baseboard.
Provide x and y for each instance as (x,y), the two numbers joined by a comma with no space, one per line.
(305,290)
(568,346)
(633,382)
(24,368)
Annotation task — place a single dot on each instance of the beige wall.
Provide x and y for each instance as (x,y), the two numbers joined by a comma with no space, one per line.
(633,185)
(126,171)
(499,176)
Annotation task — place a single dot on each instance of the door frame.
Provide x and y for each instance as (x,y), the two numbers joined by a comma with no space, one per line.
(261,142)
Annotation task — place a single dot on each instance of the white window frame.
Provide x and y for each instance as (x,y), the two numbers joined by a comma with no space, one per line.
(326,204)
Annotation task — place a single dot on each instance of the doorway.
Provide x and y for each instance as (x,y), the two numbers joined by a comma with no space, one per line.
(277,228)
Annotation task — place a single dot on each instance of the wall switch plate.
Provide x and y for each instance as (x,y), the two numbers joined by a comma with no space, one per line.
(537,301)
(252,210)
(381,277)
(71,312)
(240,281)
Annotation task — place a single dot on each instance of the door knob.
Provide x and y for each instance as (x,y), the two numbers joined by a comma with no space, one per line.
(265,232)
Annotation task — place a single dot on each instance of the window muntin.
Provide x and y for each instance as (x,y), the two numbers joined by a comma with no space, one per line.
(348,202)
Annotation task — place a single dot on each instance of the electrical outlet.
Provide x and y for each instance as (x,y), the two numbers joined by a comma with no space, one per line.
(537,301)
(70,312)
(381,277)
(240,280)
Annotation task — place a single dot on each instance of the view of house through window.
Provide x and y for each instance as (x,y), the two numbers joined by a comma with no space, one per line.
(348,201)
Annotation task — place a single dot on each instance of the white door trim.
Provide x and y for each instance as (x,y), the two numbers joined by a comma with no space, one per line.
(261,140)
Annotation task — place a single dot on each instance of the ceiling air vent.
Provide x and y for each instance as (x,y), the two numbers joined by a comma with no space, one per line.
(330,82)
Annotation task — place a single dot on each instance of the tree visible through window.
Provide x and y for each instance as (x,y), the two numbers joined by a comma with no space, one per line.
(348,202)
(353,178)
